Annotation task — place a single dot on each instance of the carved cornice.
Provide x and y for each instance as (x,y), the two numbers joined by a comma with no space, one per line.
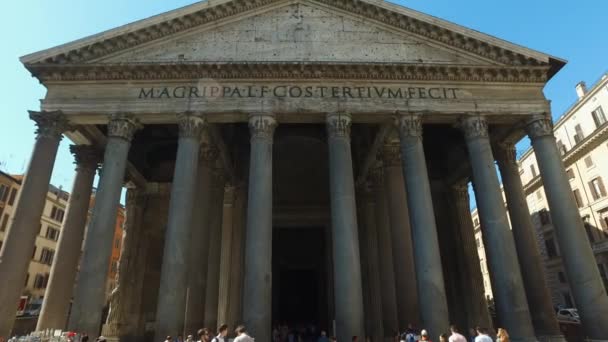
(539,126)
(338,125)
(50,124)
(86,157)
(123,126)
(289,70)
(505,154)
(409,126)
(474,127)
(209,14)
(391,154)
(191,125)
(262,126)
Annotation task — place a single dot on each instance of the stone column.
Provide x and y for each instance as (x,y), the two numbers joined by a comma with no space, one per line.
(577,255)
(123,319)
(215,244)
(429,274)
(89,296)
(199,244)
(372,263)
(170,311)
(347,268)
(471,277)
(530,262)
(257,292)
(237,262)
(509,294)
(401,238)
(19,243)
(225,255)
(385,254)
(56,305)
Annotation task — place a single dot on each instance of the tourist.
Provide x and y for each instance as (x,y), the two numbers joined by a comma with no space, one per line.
(456,336)
(189,338)
(168,339)
(355,339)
(222,331)
(180,338)
(84,338)
(502,336)
(241,335)
(424,335)
(204,335)
(443,338)
(482,335)
(333,339)
(323,337)
(409,335)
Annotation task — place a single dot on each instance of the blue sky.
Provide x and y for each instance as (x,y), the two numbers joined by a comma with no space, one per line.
(575,31)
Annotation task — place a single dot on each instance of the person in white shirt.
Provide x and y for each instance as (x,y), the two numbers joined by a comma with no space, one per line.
(482,335)
(222,331)
(456,336)
(241,335)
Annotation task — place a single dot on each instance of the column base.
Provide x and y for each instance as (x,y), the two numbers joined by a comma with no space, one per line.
(118,332)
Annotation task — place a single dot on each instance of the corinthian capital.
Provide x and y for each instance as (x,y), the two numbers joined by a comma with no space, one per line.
(86,157)
(505,154)
(50,124)
(539,126)
(338,125)
(474,127)
(409,125)
(191,125)
(262,126)
(391,154)
(123,126)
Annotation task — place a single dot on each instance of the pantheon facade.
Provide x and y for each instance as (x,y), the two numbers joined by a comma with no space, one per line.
(297,162)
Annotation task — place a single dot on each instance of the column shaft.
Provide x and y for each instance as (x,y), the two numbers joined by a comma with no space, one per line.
(347,268)
(385,253)
(427,259)
(257,294)
(530,262)
(199,245)
(401,237)
(170,314)
(471,277)
(226,255)
(89,297)
(237,262)
(509,294)
(54,312)
(577,255)
(19,244)
(215,244)
(372,263)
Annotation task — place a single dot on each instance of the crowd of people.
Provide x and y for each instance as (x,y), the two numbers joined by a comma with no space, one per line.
(205,335)
(478,334)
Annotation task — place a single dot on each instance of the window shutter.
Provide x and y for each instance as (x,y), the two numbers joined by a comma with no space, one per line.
(600,184)
(593,192)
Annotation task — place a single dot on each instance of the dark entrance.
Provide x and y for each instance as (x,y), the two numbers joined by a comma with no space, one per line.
(299,287)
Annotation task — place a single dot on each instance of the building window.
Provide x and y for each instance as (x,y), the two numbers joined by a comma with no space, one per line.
(578,198)
(57,214)
(597,188)
(545,218)
(39,281)
(539,195)
(561,147)
(598,117)
(46,256)
(52,233)
(4,223)
(604,221)
(11,200)
(570,174)
(476,222)
(533,170)
(562,277)
(4,190)
(589,162)
(478,243)
(550,247)
(579,136)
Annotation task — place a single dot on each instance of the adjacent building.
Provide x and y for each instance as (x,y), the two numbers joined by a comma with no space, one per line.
(582,139)
(46,241)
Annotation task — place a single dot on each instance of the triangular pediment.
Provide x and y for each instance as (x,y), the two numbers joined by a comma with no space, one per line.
(293,31)
(297,32)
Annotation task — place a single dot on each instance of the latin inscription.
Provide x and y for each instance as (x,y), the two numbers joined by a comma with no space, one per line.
(290,91)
